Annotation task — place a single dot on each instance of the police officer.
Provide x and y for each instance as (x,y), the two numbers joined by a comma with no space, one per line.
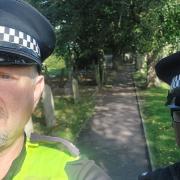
(26,40)
(168,70)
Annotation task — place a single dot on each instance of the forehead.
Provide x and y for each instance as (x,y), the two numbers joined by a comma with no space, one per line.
(17,69)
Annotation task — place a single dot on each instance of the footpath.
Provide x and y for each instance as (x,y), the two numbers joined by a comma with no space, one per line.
(114,137)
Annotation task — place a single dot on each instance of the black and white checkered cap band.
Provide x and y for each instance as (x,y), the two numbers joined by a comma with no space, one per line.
(20,38)
(175,82)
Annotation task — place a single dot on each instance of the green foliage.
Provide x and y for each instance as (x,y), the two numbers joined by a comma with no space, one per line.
(158,26)
(125,26)
(55,66)
(120,27)
(160,134)
(54,61)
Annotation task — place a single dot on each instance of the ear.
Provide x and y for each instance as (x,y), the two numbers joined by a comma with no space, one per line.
(38,89)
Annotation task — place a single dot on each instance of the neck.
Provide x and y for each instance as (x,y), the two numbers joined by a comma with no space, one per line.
(8,155)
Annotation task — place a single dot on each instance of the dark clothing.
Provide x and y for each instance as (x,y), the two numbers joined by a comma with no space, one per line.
(171,172)
(84,169)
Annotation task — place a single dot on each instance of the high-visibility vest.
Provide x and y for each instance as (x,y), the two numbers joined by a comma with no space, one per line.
(43,162)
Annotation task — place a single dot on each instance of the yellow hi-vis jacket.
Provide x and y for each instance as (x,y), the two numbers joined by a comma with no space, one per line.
(41,160)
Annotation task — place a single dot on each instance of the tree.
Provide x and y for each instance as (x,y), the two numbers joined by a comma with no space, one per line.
(127,26)
(158,28)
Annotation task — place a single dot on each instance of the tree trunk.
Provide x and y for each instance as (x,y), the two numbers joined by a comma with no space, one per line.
(97,76)
(100,74)
(75,88)
(115,59)
(139,61)
(151,74)
(48,106)
(68,88)
(68,85)
(62,76)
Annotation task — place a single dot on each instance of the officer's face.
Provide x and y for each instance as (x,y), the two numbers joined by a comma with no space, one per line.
(19,94)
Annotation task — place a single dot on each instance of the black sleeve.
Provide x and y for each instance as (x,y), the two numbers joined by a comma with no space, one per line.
(171,172)
(84,169)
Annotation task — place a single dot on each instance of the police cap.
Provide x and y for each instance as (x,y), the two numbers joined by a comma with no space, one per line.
(26,36)
(168,70)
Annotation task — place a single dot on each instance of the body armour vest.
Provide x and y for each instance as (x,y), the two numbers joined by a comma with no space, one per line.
(43,163)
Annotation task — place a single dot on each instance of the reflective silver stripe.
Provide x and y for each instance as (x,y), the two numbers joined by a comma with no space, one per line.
(42,138)
(175,82)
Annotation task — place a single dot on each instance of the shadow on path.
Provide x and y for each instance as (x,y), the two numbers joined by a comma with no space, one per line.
(114,137)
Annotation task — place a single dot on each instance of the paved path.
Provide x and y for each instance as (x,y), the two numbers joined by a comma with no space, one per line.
(114,137)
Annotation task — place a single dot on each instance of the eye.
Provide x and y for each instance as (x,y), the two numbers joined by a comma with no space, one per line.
(6,76)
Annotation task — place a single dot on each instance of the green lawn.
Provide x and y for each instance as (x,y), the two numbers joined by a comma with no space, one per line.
(160,134)
(71,117)
(157,121)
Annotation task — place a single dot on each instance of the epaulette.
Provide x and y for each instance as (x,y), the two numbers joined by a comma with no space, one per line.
(46,139)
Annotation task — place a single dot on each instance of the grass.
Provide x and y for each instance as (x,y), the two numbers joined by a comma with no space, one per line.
(140,77)
(157,121)
(71,117)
